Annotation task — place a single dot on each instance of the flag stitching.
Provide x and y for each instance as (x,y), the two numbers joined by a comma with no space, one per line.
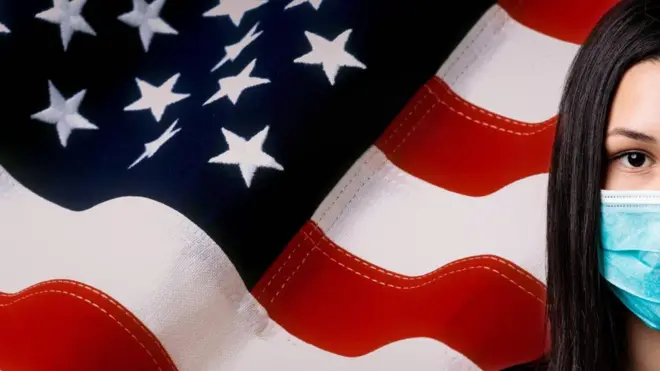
(404,138)
(479,55)
(316,245)
(371,157)
(486,124)
(278,270)
(402,123)
(496,14)
(338,249)
(283,285)
(153,359)
(491,269)
(411,278)
(446,87)
(412,129)
(291,275)
(532,279)
(111,301)
(422,98)
(384,162)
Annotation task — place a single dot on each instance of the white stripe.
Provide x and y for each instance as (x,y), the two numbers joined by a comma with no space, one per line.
(287,353)
(401,223)
(508,68)
(150,258)
(177,281)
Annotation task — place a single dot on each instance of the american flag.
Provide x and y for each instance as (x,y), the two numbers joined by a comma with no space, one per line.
(289,185)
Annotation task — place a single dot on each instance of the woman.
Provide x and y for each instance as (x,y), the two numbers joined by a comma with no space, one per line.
(604,246)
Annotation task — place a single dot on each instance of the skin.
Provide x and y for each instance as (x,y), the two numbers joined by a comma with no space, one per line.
(633,146)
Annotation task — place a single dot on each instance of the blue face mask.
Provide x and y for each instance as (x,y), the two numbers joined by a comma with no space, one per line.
(630,250)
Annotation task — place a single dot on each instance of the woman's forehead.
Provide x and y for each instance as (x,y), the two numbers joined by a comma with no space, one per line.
(636,105)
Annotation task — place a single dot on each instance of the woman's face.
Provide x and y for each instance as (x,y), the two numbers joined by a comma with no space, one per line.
(632,139)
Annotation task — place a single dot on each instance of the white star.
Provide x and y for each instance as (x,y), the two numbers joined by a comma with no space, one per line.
(330,54)
(146,17)
(67,15)
(233,86)
(63,113)
(235,9)
(315,3)
(4,29)
(156,98)
(152,147)
(247,154)
(233,51)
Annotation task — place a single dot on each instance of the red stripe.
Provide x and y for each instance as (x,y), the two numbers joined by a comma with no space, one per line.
(568,20)
(483,307)
(65,325)
(449,142)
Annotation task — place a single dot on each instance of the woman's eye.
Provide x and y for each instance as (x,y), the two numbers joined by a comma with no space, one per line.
(634,160)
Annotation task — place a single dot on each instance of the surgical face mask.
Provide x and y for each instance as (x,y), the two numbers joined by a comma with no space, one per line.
(630,250)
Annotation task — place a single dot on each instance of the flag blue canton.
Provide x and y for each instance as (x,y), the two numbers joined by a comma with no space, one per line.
(240,114)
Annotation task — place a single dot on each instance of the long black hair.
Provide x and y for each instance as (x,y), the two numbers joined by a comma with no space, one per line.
(587,323)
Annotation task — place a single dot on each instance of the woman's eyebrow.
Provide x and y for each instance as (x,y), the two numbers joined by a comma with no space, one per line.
(632,134)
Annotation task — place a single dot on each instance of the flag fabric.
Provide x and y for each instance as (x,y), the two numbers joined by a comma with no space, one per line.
(176,187)
(437,231)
